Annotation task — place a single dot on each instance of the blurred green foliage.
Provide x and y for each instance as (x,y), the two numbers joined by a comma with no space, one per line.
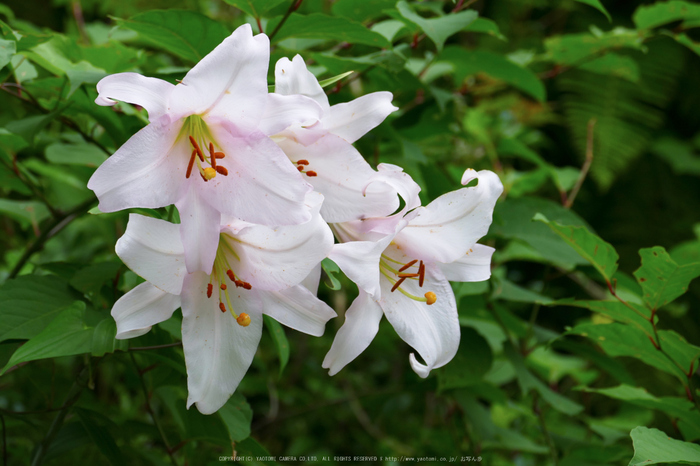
(572,354)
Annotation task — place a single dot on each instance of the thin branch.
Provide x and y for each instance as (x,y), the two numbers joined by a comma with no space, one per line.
(543,425)
(586,165)
(292,8)
(148,348)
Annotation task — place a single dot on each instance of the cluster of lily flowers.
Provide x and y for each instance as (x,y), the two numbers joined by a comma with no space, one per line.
(263,182)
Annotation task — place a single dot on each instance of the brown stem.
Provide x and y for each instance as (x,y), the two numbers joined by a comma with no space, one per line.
(586,164)
(147,348)
(292,8)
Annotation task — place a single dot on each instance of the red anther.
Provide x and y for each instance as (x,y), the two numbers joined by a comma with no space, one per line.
(408,275)
(421,273)
(300,168)
(200,174)
(302,162)
(210,288)
(311,173)
(197,149)
(238,283)
(223,286)
(408,265)
(231,276)
(212,158)
(397,284)
(219,155)
(190,165)
(222,307)
(247,286)
(221,170)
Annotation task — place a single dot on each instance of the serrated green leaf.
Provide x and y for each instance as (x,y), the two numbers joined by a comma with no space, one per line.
(469,62)
(29,302)
(441,28)
(186,34)
(66,335)
(101,437)
(598,6)
(320,26)
(591,247)
(660,13)
(661,279)
(472,361)
(255,8)
(88,155)
(625,340)
(279,338)
(651,446)
(632,313)
(237,416)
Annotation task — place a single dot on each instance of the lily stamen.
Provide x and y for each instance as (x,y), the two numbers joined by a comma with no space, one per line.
(421,273)
(408,275)
(408,265)
(397,284)
(191,164)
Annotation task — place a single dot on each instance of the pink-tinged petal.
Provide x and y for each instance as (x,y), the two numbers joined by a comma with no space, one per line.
(292,78)
(273,259)
(354,119)
(474,266)
(230,82)
(360,327)
(150,93)
(432,330)
(218,351)
(147,171)
(297,308)
(445,229)
(312,280)
(199,229)
(261,186)
(341,176)
(153,249)
(359,261)
(283,111)
(141,308)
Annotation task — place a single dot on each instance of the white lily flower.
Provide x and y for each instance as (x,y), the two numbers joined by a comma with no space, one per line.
(402,264)
(257,270)
(207,149)
(323,151)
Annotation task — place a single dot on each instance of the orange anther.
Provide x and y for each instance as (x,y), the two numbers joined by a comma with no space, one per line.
(311,173)
(247,286)
(231,276)
(243,319)
(209,290)
(238,283)
(197,149)
(223,286)
(407,275)
(408,265)
(212,157)
(300,168)
(222,170)
(222,307)
(303,162)
(397,284)
(219,155)
(430,298)
(190,165)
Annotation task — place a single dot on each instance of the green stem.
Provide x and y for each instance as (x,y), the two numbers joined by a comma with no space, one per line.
(545,432)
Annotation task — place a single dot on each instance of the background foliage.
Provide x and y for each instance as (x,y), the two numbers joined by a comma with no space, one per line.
(579,349)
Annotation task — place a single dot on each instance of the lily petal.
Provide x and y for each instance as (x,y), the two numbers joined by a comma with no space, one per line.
(273,259)
(261,186)
(341,176)
(199,229)
(218,351)
(359,261)
(230,82)
(283,111)
(360,327)
(354,119)
(149,158)
(474,266)
(150,93)
(432,330)
(141,308)
(312,280)
(152,248)
(445,229)
(292,77)
(297,308)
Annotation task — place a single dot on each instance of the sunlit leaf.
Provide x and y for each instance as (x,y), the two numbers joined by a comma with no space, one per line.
(660,13)
(661,279)
(441,28)
(651,446)
(320,26)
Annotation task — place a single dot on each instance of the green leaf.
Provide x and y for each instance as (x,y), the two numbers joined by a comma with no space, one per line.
(624,340)
(683,39)
(633,314)
(441,28)
(679,350)
(237,416)
(651,446)
(661,279)
(91,278)
(101,437)
(279,338)
(361,11)
(88,155)
(598,6)
(660,13)
(255,8)
(472,361)
(103,340)
(485,26)
(614,64)
(27,128)
(25,212)
(29,302)
(320,26)
(529,382)
(186,34)
(334,79)
(66,335)
(467,63)
(572,49)
(331,268)
(7,50)
(591,247)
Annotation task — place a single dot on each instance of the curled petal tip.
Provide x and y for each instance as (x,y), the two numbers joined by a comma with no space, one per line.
(469,174)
